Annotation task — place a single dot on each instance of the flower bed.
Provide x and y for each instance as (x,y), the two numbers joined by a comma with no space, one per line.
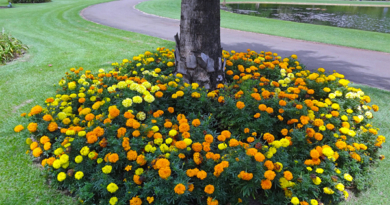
(10,47)
(138,134)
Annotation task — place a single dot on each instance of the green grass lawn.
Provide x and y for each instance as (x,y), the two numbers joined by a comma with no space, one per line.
(57,35)
(318,1)
(317,33)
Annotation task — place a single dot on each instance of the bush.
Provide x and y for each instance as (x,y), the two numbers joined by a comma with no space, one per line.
(276,133)
(28,1)
(10,47)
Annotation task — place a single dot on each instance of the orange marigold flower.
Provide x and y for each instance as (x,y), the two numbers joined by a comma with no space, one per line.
(47,146)
(52,126)
(257,115)
(180,189)
(164,173)
(92,138)
(113,158)
(269,137)
(89,117)
(37,152)
(269,175)
(226,133)
(18,128)
(32,127)
(240,105)
(181,145)
(233,143)
(201,175)
(191,187)
(121,132)
(159,94)
(209,138)
(197,147)
(318,136)
(269,164)
(221,138)
(141,160)
(136,179)
(209,189)
(288,175)
(196,122)
(47,118)
(36,110)
(113,112)
(259,157)
(132,155)
(245,176)
(128,115)
(314,154)
(162,163)
(251,151)
(184,127)
(44,139)
(266,184)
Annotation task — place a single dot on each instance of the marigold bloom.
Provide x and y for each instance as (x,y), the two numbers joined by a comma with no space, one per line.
(266,184)
(180,189)
(209,189)
(240,105)
(164,172)
(18,128)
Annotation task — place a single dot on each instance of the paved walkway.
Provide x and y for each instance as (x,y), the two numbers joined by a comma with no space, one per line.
(360,66)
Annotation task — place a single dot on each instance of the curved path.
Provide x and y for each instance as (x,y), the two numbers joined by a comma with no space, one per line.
(360,66)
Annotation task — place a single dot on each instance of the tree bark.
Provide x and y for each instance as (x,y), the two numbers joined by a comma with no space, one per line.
(198,51)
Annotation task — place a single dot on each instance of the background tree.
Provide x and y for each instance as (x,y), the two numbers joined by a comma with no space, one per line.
(198,50)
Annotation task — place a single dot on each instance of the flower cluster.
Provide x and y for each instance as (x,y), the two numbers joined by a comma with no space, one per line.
(138,134)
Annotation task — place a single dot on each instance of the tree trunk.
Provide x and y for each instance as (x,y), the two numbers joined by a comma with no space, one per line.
(198,51)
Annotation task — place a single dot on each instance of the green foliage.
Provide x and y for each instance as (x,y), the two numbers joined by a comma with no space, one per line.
(10,47)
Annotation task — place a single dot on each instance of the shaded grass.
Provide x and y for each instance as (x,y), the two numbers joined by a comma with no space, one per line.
(56,35)
(309,32)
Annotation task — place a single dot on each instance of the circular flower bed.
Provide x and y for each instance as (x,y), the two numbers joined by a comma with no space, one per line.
(275,133)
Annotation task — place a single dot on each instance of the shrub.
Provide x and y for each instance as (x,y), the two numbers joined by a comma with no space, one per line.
(10,47)
(28,1)
(274,132)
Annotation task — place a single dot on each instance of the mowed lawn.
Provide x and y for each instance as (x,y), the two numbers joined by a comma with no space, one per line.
(56,35)
(59,37)
(302,31)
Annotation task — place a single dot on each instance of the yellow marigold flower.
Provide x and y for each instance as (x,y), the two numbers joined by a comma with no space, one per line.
(107,169)
(150,199)
(112,188)
(295,200)
(348,177)
(61,176)
(79,175)
(113,200)
(328,190)
(313,202)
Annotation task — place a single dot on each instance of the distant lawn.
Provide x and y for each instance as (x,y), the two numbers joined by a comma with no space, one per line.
(318,1)
(309,32)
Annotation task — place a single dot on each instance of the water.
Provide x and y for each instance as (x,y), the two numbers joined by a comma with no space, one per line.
(357,17)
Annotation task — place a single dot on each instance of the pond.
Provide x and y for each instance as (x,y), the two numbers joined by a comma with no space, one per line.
(357,17)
